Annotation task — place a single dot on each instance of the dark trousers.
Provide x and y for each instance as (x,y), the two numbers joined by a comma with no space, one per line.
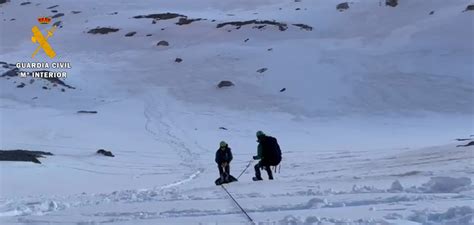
(225,170)
(262,165)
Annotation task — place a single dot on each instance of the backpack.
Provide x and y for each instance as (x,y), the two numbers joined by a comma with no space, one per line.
(271,151)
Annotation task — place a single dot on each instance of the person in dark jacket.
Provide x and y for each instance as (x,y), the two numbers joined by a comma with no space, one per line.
(223,159)
(263,163)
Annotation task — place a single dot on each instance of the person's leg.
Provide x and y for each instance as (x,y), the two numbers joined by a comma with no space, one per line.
(221,171)
(269,171)
(227,169)
(226,173)
(258,175)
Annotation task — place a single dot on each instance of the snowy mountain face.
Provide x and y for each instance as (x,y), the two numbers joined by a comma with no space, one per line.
(366,100)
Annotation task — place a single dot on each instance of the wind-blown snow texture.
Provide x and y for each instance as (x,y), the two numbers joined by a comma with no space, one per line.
(374,97)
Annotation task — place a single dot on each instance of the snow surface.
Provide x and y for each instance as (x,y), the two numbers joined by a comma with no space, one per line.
(375,97)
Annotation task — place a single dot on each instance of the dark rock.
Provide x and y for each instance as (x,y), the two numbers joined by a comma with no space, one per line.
(34,98)
(342,6)
(25,3)
(57,15)
(52,7)
(57,23)
(63,90)
(129,34)
(160,16)
(466,145)
(222,128)
(22,85)
(153,22)
(463,139)
(12,19)
(54,11)
(185,21)
(22,155)
(283,89)
(297,9)
(45,88)
(162,43)
(262,70)
(55,80)
(3,1)
(178,60)
(258,27)
(246,40)
(392,3)
(303,26)
(270,49)
(11,73)
(114,13)
(105,153)
(225,83)
(281,26)
(86,111)
(75,12)
(102,30)
(469,8)
(213,20)
(148,35)
(432,12)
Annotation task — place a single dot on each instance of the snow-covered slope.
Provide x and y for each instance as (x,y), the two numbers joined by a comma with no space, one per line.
(366,91)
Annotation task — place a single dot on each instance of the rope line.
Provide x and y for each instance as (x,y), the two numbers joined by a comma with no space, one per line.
(235,201)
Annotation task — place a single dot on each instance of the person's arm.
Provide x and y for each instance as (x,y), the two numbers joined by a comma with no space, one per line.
(230,155)
(259,152)
(217,157)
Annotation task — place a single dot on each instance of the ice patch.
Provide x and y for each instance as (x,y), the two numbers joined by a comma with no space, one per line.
(446,185)
(456,215)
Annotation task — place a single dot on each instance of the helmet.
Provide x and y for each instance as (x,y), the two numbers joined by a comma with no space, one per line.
(260,133)
(223,144)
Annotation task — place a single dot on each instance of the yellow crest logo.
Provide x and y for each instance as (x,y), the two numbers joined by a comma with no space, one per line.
(42,40)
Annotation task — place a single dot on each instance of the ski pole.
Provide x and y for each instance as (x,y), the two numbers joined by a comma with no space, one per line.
(248,165)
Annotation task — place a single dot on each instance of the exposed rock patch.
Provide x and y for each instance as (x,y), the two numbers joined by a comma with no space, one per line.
(162,43)
(86,112)
(261,70)
(466,145)
(225,83)
(103,30)
(469,8)
(57,15)
(185,21)
(160,16)
(130,34)
(303,26)
(52,7)
(392,3)
(105,153)
(342,6)
(22,155)
(238,24)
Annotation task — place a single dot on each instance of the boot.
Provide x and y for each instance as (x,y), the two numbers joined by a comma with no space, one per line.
(256,178)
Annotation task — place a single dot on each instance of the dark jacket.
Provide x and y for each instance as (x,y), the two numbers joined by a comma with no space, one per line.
(223,156)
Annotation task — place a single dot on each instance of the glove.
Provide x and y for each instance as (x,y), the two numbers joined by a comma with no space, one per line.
(255,157)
